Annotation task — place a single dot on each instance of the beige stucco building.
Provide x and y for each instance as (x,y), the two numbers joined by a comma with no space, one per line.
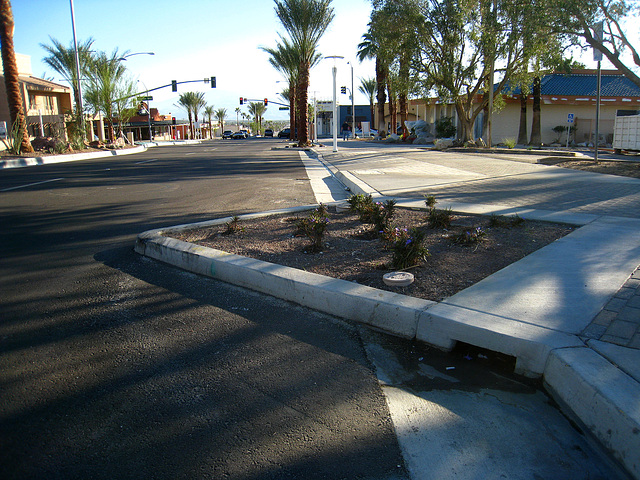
(45,103)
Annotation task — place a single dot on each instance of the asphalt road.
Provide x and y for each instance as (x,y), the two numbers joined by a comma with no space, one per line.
(116,366)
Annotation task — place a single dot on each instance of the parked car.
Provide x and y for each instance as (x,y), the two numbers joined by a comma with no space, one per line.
(239,135)
(227,134)
(268,132)
(284,133)
(245,133)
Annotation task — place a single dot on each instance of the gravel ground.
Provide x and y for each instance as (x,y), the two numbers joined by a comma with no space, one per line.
(351,254)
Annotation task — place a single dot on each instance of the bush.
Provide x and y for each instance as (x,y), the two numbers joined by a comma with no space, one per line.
(233,226)
(440,218)
(502,222)
(509,142)
(406,245)
(472,237)
(377,213)
(445,128)
(314,227)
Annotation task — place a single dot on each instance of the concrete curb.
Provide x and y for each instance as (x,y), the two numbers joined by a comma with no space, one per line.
(590,388)
(601,398)
(35,161)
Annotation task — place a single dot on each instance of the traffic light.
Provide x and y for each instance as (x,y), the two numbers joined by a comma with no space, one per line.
(266,102)
(343,90)
(173,120)
(174,85)
(213,82)
(241,100)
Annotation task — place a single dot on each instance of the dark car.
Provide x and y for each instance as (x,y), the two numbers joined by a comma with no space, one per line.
(268,132)
(284,133)
(238,135)
(227,134)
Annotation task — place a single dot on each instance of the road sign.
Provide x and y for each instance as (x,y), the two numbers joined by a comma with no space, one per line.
(570,118)
(283,108)
(148,98)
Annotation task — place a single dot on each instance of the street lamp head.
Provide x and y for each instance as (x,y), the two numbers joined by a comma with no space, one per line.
(139,53)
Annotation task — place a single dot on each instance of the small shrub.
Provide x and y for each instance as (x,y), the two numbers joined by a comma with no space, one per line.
(509,142)
(430,201)
(406,245)
(233,226)
(440,218)
(496,221)
(314,227)
(377,213)
(472,237)
(445,128)
(359,202)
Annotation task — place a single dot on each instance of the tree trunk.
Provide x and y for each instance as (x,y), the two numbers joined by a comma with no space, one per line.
(522,131)
(381,96)
(302,98)
(292,111)
(536,137)
(11,80)
(393,112)
(403,113)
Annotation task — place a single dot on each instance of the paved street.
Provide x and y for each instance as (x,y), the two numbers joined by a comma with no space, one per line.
(116,366)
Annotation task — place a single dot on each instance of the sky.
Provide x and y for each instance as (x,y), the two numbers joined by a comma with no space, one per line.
(193,40)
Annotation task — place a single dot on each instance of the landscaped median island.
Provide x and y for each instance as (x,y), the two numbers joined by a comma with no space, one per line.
(460,254)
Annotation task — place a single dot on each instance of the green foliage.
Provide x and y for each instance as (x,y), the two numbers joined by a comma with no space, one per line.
(407,246)
(14,138)
(430,201)
(470,237)
(440,218)
(445,128)
(377,213)
(233,226)
(509,142)
(314,227)
(496,221)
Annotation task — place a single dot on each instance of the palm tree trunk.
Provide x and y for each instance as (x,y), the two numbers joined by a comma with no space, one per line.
(11,80)
(292,111)
(302,97)
(402,99)
(381,82)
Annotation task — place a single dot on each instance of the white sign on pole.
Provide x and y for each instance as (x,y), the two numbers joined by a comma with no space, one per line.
(598,34)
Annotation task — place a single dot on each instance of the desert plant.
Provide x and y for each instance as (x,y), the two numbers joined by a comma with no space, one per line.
(470,237)
(233,226)
(359,201)
(407,246)
(314,227)
(509,142)
(430,201)
(440,218)
(14,138)
(378,214)
(496,221)
(445,128)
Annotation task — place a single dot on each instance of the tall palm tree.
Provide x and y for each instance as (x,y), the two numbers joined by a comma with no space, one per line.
(286,59)
(370,48)
(221,114)
(63,61)
(12,83)
(192,103)
(305,21)
(257,109)
(108,83)
(368,88)
(209,111)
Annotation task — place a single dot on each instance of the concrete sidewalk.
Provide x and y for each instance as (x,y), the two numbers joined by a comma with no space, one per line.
(568,313)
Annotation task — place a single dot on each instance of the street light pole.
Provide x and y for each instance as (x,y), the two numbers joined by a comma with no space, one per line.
(334,70)
(353,105)
(79,105)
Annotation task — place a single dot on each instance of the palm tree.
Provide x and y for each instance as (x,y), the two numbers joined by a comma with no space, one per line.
(286,59)
(368,88)
(108,84)
(12,83)
(192,102)
(209,111)
(370,48)
(221,114)
(305,21)
(237,110)
(63,61)
(257,109)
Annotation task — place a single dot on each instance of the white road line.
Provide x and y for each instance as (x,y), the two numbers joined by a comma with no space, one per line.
(147,161)
(31,184)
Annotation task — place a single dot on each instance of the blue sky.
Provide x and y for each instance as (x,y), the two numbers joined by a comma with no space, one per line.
(194,39)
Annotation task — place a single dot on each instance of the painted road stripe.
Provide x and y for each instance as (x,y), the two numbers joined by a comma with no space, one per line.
(147,161)
(31,184)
